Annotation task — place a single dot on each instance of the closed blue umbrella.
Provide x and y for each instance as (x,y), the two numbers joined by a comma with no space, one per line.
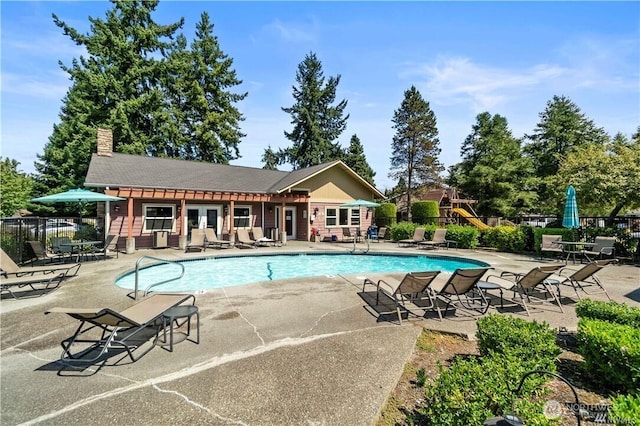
(570,218)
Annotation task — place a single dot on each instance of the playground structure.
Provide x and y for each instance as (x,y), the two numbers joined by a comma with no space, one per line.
(451,204)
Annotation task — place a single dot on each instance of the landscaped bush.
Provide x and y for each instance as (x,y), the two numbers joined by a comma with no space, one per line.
(402,231)
(505,238)
(625,410)
(466,236)
(618,313)
(425,212)
(474,389)
(529,239)
(533,342)
(385,215)
(611,352)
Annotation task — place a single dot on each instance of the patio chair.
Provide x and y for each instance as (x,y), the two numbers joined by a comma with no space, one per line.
(35,285)
(439,240)
(9,267)
(550,244)
(412,288)
(197,241)
(529,287)
(244,240)
(128,329)
(460,290)
(260,239)
(585,277)
(382,234)
(58,246)
(43,256)
(211,239)
(346,235)
(418,235)
(602,246)
(110,245)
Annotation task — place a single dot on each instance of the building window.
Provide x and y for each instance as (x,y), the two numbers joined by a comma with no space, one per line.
(242,217)
(342,217)
(330,217)
(158,217)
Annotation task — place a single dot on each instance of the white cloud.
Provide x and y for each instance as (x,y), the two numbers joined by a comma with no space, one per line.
(451,81)
(49,86)
(295,32)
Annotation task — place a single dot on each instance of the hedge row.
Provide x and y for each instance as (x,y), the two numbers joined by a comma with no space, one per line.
(466,236)
(615,312)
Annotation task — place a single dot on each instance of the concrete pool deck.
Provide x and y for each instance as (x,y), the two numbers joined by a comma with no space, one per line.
(302,351)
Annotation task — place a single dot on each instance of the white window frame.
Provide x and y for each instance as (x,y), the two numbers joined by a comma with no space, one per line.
(352,219)
(249,217)
(172,217)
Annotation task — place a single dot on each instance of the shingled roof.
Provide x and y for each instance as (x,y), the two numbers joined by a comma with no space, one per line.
(125,170)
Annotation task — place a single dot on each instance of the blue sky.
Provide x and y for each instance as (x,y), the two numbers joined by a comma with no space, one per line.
(507,58)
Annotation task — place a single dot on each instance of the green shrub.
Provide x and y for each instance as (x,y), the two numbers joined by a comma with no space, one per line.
(385,215)
(615,312)
(466,236)
(474,389)
(533,342)
(625,410)
(425,212)
(611,352)
(402,230)
(505,238)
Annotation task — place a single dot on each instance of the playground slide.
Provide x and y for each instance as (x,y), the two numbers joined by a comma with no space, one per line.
(472,219)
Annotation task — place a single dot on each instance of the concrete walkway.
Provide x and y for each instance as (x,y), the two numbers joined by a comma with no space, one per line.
(303,351)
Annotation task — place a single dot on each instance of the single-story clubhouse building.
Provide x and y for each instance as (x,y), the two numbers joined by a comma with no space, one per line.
(166,198)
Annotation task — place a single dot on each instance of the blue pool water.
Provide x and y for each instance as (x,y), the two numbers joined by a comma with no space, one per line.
(221,272)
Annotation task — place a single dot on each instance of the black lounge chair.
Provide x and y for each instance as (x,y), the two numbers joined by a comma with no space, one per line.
(103,329)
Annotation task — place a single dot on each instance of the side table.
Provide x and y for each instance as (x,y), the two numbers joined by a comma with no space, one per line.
(486,285)
(170,319)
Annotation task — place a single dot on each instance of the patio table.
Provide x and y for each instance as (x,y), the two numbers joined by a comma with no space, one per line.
(571,248)
(81,248)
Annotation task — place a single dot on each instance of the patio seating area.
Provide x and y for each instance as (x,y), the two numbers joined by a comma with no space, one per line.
(259,346)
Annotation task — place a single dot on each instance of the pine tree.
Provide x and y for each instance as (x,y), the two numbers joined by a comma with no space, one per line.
(415,147)
(317,122)
(211,118)
(116,86)
(354,158)
(270,159)
(493,169)
(562,127)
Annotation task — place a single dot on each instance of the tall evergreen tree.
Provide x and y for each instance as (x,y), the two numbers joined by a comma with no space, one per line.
(354,158)
(562,126)
(317,122)
(493,170)
(415,147)
(115,87)
(211,122)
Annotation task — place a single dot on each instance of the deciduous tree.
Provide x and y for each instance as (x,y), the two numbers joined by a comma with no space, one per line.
(15,187)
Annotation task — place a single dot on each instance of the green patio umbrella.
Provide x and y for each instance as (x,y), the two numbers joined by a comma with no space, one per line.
(79,196)
(570,219)
(76,196)
(360,203)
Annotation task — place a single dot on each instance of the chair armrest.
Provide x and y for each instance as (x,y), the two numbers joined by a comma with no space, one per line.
(500,280)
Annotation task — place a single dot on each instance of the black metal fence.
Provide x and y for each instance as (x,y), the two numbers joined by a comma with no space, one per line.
(16,231)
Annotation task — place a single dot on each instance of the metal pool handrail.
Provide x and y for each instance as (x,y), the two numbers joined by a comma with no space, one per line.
(159,261)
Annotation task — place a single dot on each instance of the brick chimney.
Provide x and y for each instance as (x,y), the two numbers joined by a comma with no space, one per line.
(105,142)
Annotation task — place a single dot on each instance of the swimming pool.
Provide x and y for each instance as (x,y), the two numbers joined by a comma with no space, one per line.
(218,272)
